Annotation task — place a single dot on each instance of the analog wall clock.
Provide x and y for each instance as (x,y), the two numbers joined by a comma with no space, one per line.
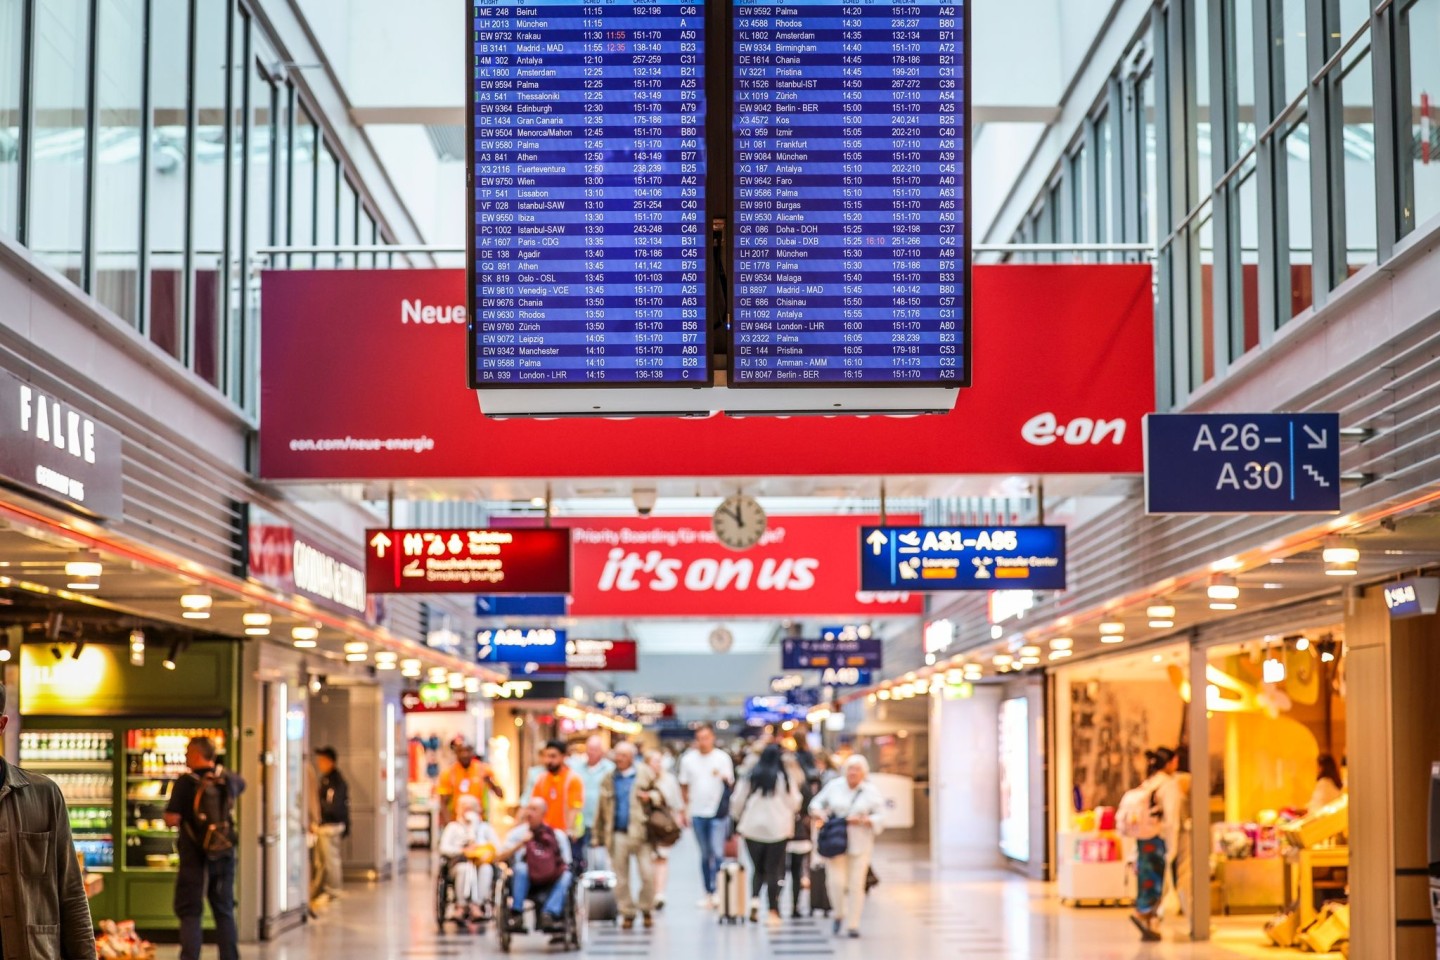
(740,522)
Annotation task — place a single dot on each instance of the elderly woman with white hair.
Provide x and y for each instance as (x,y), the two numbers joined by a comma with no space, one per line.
(857,803)
(470,844)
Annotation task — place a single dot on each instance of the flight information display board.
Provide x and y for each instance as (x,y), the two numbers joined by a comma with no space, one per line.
(850,254)
(588,165)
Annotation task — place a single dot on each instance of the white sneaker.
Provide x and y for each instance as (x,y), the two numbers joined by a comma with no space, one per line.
(707,902)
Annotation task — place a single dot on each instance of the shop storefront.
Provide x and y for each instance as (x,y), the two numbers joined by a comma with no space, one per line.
(111,729)
(1270,843)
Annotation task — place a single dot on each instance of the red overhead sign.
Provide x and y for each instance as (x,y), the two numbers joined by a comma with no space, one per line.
(1064,370)
(674,567)
(518,560)
(589,656)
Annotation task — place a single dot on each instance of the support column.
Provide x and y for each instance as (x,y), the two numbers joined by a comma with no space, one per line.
(965,780)
(1198,726)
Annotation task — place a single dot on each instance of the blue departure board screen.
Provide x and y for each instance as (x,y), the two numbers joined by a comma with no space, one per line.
(850,258)
(589,194)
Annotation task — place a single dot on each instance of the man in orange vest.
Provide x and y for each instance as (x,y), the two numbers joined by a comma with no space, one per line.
(469,776)
(563,792)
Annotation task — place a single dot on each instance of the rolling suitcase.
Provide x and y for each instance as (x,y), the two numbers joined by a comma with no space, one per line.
(819,889)
(600,903)
(732,892)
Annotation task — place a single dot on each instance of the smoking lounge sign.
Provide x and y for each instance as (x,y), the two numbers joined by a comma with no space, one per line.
(675,567)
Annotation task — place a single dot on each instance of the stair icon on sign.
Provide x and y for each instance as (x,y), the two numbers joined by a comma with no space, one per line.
(1316,475)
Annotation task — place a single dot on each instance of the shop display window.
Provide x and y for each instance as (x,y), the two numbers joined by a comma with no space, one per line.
(82,764)
(154,760)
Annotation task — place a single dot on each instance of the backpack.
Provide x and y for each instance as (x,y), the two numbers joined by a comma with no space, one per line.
(1139,816)
(214,824)
(542,857)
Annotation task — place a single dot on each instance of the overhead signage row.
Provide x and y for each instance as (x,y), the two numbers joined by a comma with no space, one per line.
(1242,463)
(501,605)
(511,561)
(1412,597)
(962,558)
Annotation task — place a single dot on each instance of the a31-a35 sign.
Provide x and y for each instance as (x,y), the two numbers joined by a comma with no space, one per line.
(467,561)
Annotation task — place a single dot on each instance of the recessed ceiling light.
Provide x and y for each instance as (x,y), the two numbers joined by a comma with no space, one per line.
(1161,624)
(1061,643)
(305,633)
(1161,611)
(1112,628)
(1061,654)
(1272,586)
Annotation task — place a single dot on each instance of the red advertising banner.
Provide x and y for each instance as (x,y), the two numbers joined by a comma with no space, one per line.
(1063,359)
(467,561)
(674,567)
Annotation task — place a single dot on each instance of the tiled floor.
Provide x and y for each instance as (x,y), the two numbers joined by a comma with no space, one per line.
(913,913)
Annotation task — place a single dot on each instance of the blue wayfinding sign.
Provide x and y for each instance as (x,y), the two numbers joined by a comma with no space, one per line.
(540,645)
(521,605)
(827,655)
(962,558)
(1242,463)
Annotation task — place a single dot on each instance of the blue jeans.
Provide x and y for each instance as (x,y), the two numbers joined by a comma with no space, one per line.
(201,880)
(710,833)
(554,900)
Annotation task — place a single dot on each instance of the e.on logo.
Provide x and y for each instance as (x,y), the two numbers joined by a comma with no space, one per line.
(1044,429)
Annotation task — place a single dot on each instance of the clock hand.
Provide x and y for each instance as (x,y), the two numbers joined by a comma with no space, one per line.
(739,517)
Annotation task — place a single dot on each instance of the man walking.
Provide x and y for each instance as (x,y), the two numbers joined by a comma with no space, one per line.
(334,823)
(561,790)
(621,828)
(593,769)
(46,913)
(202,805)
(706,776)
(469,776)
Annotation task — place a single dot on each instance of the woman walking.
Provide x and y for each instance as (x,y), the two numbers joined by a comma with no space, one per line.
(669,788)
(1151,814)
(764,807)
(856,802)
(797,851)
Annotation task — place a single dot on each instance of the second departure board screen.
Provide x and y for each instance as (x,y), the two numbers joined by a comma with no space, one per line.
(849,247)
(588,133)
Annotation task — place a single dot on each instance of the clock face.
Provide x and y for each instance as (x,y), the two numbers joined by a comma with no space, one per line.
(739,523)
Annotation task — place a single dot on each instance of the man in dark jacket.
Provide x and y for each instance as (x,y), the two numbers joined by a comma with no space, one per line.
(334,822)
(206,875)
(46,913)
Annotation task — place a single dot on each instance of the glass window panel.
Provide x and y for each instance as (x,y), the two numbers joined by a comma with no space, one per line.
(1079,225)
(348,208)
(1104,206)
(1290,48)
(1296,155)
(1249,215)
(325,208)
(1150,199)
(302,185)
(1353,15)
(1421,137)
(211,78)
(121,83)
(1204,56)
(369,233)
(57,188)
(169,38)
(1358,103)
(1244,21)
(260,162)
(1202,328)
(12,21)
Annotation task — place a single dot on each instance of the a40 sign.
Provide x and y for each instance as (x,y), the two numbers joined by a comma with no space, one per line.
(1242,463)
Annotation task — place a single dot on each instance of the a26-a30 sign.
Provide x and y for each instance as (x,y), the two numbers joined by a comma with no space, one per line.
(468,561)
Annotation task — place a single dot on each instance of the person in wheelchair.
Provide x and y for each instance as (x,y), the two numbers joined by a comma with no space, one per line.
(468,847)
(540,861)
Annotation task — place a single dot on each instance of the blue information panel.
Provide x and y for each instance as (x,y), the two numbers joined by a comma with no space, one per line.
(827,655)
(850,264)
(962,558)
(543,645)
(520,605)
(1242,463)
(589,190)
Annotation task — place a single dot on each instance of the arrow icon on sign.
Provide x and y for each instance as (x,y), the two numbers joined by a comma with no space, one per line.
(412,569)
(878,540)
(381,543)
(1318,441)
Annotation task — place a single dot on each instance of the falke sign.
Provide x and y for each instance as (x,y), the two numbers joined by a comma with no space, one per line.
(674,566)
(468,561)
(1060,398)
(58,451)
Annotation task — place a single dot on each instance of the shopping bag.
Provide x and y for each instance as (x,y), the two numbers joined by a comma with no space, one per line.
(1329,929)
(1281,929)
